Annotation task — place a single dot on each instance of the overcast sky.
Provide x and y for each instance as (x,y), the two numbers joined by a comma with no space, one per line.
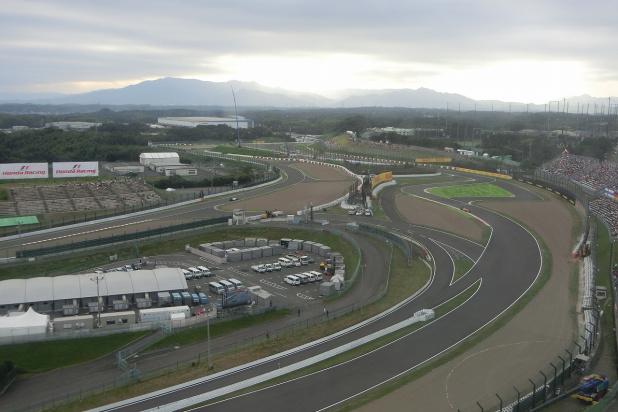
(527,51)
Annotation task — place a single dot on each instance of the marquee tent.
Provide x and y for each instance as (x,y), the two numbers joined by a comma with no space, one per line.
(23,323)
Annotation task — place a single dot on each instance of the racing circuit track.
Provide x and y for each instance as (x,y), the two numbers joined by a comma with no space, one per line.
(503,271)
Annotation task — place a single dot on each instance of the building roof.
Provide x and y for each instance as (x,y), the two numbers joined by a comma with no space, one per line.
(65,287)
(37,289)
(170,278)
(12,291)
(44,289)
(159,155)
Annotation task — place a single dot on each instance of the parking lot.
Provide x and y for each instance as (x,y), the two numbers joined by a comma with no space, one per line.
(271,282)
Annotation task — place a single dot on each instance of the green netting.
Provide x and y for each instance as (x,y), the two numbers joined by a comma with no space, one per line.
(19,220)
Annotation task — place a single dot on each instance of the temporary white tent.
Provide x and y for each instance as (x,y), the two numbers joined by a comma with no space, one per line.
(23,323)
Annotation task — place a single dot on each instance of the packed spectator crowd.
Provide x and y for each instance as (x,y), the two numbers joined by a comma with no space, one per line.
(594,174)
(584,170)
(606,209)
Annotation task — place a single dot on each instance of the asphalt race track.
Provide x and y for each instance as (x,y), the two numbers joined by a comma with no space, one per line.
(504,270)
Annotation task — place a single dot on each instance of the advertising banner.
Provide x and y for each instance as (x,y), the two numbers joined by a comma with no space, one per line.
(479,172)
(75,169)
(382,177)
(24,171)
(433,160)
(236,298)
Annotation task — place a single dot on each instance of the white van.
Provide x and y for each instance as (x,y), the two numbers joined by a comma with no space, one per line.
(216,287)
(237,283)
(292,280)
(318,275)
(311,276)
(303,278)
(285,262)
(229,286)
(205,270)
(197,274)
(294,259)
(188,275)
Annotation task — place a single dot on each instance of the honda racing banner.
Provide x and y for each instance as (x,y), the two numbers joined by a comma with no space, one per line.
(24,171)
(75,169)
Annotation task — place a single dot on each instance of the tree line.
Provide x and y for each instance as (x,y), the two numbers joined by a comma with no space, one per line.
(125,134)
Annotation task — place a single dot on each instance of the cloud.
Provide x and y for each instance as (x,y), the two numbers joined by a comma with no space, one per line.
(443,44)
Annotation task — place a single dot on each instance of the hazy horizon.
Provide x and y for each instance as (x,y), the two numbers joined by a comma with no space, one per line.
(527,52)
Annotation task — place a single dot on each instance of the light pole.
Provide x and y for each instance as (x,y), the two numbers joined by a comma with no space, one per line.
(97,279)
(208,337)
(362,288)
(21,246)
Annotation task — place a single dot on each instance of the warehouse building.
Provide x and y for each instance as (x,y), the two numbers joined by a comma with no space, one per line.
(151,160)
(70,294)
(124,168)
(177,170)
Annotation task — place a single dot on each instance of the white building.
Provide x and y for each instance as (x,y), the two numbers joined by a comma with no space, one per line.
(52,294)
(148,159)
(24,323)
(205,121)
(177,170)
(79,126)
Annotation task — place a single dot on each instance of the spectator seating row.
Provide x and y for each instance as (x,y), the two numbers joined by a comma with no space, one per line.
(70,197)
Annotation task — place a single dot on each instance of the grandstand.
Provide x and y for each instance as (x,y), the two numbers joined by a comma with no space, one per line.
(586,171)
(599,177)
(75,197)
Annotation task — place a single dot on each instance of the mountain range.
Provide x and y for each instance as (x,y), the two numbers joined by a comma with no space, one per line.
(189,92)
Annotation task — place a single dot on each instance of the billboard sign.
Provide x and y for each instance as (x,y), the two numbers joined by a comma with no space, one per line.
(382,177)
(235,298)
(24,171)
(75,169)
